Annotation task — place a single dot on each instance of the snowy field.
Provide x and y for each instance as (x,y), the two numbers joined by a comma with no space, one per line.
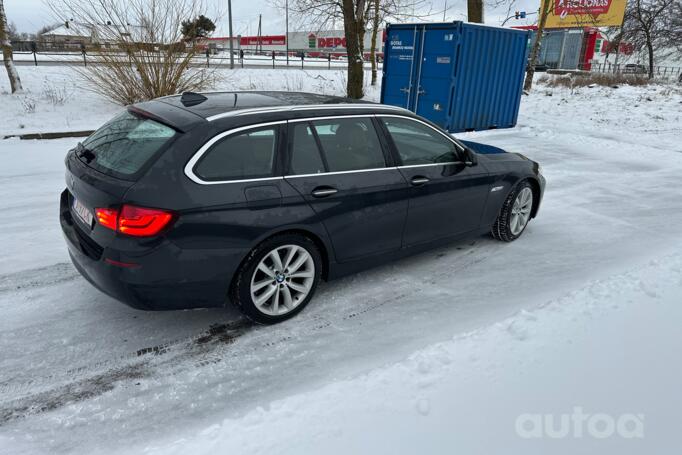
(566,341)
(54,100)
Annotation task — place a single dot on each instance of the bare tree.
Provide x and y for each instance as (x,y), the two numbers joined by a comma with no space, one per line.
(376,18)
(545,10)
(323,14)
(354,16)
(648,26)
(14,81)
(148,57)
(475,11)
(672,35)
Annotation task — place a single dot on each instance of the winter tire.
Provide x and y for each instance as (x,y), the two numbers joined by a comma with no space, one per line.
(515,213)
(277,279)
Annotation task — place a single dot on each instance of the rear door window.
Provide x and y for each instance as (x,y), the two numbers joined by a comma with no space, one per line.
(349,144)
(305,155)
(123,146)
(246,155)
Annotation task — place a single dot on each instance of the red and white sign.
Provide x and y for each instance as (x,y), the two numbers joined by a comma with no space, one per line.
(563,8)
(268,40)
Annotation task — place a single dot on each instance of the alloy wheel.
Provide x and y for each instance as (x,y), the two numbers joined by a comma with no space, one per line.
(520,213)
(282,280)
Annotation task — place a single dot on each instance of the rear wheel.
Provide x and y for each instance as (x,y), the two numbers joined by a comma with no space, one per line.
(278,279)
(515,213)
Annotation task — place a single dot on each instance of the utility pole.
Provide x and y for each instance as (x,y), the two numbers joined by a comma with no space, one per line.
(286,33)
(229,16)
(259,47)
(445,8)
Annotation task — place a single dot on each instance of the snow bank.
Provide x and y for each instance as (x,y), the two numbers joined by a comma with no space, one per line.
(604,353)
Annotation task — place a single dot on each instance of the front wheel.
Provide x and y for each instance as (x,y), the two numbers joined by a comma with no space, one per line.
(515,213)
(278,278)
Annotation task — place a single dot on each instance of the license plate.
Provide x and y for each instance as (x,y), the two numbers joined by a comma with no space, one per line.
(82,211)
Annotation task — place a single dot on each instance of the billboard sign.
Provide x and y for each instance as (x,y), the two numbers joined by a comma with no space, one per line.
(326,41)
(585,13)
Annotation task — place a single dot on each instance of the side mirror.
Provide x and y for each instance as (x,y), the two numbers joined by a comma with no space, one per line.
(470,159)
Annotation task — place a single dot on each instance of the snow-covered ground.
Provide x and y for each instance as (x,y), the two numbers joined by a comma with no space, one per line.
(54,98)
(477,347)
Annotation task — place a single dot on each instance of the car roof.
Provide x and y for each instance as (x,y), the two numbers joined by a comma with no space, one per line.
(189,109)
(221,102)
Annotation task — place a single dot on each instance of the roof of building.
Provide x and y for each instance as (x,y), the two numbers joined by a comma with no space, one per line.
(100,32)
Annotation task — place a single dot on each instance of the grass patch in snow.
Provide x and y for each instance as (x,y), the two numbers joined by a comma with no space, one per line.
(593,79)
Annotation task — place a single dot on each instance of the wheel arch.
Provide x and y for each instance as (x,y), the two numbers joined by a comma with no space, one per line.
(316,238)
(535,187)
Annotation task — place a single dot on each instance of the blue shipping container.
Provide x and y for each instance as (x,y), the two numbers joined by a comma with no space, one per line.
(459,75)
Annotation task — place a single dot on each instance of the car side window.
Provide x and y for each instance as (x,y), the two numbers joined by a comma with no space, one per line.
(246,155)
(349,144)
(418,143)
(305,155)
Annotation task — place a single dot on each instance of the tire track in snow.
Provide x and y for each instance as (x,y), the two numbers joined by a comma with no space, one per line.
(212,346)
(37,277)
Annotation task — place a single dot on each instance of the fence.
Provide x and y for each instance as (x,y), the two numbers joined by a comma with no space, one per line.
(247,60)
(664,72)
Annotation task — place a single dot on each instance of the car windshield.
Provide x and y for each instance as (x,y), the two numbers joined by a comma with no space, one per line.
(124,145)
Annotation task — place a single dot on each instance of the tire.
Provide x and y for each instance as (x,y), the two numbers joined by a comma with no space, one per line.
(506,227)
(252,285)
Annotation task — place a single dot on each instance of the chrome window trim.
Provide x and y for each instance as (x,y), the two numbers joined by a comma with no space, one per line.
(329,117)
(446,163)
(374,169)
(189,167)
(303,107)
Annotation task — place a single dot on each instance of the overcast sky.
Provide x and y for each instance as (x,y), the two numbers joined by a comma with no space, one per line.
(31,15)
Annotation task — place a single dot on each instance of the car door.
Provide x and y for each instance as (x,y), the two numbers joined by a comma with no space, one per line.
(338,164)
(447,194)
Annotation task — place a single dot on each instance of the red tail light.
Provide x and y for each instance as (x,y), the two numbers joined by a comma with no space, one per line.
(107,217)
(135,221)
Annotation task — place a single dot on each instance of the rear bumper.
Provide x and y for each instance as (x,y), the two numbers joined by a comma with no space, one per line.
(163,278)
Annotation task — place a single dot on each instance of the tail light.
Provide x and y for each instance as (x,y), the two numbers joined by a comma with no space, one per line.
(107,217)
(135,221)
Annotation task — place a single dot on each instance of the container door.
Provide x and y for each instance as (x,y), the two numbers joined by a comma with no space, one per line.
(400,67)
(435,74)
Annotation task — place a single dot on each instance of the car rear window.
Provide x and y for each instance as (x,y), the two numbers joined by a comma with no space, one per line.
(123,146)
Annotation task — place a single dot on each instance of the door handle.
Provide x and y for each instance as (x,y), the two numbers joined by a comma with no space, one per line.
(418,181)
(324,191)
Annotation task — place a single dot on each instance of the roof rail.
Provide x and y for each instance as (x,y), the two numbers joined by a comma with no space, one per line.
(304,107)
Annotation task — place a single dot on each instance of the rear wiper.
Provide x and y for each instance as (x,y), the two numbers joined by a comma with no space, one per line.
(85,153)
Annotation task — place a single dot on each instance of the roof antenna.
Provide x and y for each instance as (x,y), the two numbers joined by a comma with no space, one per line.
(189,99)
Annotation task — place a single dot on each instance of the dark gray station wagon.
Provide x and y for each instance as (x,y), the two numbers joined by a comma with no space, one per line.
(202,199)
